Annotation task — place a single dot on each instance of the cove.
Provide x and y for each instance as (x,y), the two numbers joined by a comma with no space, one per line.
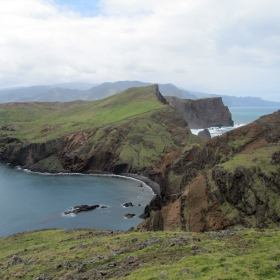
(32,201)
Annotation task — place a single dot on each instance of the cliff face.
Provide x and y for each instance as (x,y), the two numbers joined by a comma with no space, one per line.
(203,113)
(204,184)
(132,144)
(231,180)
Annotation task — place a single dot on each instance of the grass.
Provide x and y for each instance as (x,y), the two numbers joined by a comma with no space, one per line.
(234,254)
(260,158)
(115,124)
(31,120)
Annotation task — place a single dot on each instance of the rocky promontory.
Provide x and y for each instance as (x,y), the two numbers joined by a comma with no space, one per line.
(231,180)
(200,184)
(203,113)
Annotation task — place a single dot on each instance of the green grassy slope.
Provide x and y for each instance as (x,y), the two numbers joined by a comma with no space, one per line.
(30,119)
(133,127)
(91,254)
(259,178)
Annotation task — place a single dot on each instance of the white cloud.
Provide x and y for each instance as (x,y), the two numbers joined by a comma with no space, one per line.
(229,47)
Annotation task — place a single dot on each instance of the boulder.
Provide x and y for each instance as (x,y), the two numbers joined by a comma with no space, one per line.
(127,204)
(81,208)
(205,134)
(128,216)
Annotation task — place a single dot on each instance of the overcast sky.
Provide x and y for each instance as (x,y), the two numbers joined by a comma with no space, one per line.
(214,46)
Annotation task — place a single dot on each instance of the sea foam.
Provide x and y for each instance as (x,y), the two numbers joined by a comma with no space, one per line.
(216,131)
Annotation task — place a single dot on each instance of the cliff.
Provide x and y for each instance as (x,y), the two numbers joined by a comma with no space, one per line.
(203,113)
(204,184)
(231,180)
(128,132)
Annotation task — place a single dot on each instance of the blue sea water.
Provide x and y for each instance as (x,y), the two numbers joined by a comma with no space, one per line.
(240,116)
(31,201)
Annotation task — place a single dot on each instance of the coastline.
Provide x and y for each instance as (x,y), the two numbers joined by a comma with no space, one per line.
(144,180)
(127,182)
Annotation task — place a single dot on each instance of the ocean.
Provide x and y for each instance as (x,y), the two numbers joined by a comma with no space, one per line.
(240,116)
(32,201)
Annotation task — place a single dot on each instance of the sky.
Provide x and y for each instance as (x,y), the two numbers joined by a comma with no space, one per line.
(213,46)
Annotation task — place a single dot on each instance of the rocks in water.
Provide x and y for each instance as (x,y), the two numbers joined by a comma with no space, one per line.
(205,134)
(127,204)
(128,216)
(104,206)
(81,208)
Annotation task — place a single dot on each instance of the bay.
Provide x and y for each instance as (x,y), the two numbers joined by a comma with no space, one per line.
(32,201)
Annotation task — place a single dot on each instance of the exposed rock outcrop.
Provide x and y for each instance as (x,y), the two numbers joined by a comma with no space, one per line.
(205,134)
(231,180)
(129,216)
(127,204)
(81,208)
(203,113)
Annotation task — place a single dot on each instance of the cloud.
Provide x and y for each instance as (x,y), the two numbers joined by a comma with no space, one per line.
(225,47)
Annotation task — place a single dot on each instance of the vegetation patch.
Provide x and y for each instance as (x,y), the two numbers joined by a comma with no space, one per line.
(93,254)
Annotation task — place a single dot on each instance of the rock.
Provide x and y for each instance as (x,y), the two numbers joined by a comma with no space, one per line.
(155,204)
(9,128)
(205,134)
(14,260)
(95,260)
(43,277)
(276,158)
(82,268)
(128,216)
(82,246)
(201,113)
(81,208)
(162,274)
(104,206)
(65,263)
(127,204)
(130,259)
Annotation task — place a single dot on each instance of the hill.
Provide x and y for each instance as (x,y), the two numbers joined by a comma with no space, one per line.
(67,92)
(231,180)
(128,131)
(92,254)
(107,89)
(64,92)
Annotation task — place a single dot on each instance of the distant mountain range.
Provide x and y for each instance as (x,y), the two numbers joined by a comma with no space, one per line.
(234,101)
(65,92)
